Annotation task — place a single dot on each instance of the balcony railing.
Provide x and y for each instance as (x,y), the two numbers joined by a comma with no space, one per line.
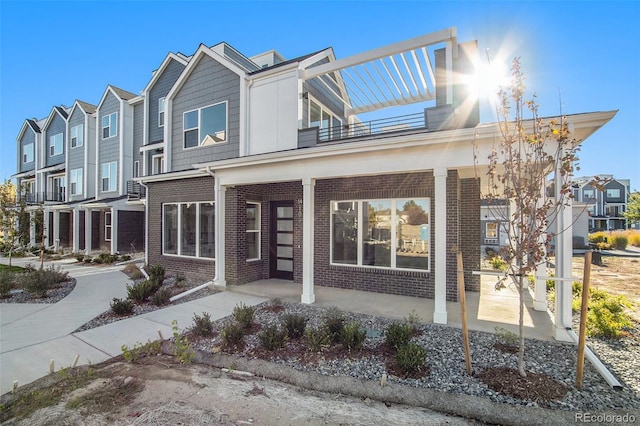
(58,195)
(135,191)
(373,127)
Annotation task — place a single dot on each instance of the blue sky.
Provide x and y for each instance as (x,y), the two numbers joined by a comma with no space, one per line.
(577,56)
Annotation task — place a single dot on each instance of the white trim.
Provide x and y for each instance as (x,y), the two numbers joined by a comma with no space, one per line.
(179,229)
(186,174)
(103,127)
(199,127)
(71,136)
(109,226)
(257,231)
(163,112)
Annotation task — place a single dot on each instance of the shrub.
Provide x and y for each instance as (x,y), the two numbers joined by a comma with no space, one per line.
(634,238)
(619,241)
(232,333)
(121,306)
(181,281)
(124,258)
(352,336)
(79,257)
(333,322)
(39,281)
(7,282)
(244,315)
(294,325)
(411,358)
(316,339)
(398,334)
(202,325)
(139,292)
(607,316)
(506,337)
(498,263)
(106,258)
(156,274)
(271,338)
(161,297)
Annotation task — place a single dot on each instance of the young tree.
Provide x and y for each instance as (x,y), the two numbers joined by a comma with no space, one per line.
(528,151)
(633,208)
(8,217)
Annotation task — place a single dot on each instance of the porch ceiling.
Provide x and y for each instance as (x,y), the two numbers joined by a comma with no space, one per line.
(398,74)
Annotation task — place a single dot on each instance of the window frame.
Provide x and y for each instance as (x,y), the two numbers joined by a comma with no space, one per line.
(136,168)
(112,173)
(257,230)
(611,191)
(108,225)
(179,230)
(112,125)
(160,159)
(30,154)
(332,118)
(78,181)
(161,103)
(79,136)
(198,127)
(393,218)
(494,230)
(56,141)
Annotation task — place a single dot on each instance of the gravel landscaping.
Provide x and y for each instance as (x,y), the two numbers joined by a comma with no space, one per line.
(445,360)
(54,295)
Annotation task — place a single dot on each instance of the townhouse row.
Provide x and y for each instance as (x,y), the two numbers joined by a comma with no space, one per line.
(235,169)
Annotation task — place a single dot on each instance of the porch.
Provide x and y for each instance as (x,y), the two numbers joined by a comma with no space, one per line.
(486,309)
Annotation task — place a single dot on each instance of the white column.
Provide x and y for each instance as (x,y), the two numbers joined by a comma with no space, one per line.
(56,230)
(540,290)
(440,247)
(45,227)
(114,230)
(308,295)
(76,230)
(220,191)
(32,230)
(87,232)
(564,253)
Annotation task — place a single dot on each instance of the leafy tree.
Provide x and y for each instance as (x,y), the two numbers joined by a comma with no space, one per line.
(528,151)
(633,208)
(415,213)
(9,217)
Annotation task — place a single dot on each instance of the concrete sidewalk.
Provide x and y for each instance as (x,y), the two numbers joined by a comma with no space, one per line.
(33,334)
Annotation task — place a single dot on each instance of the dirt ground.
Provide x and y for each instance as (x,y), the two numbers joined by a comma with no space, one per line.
(156,390)
(617,275)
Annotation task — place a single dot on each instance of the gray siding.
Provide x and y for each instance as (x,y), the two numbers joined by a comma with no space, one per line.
(614,184)
(76,155)
(209,83)
(323,95)
(27,138)
(239,58)
(160,90)
(108,149)
(138,137)
(57,125)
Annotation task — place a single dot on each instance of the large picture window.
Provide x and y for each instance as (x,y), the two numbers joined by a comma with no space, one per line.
(385,233)
(188,229)
(205,126)
(253,231)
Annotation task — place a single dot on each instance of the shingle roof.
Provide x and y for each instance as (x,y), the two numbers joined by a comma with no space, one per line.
(88,108)
(61,111)
(298,59)
(123,94)
(33,125)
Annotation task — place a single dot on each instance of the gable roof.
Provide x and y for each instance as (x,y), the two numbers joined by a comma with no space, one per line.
(34,126)
(28,124)
(60,110)
(165,63)
(290,61)
(122,94)
(87,108)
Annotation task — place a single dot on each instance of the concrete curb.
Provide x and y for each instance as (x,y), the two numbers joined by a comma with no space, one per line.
(466,406)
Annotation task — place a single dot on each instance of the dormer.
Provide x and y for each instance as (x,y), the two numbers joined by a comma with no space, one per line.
(267,59)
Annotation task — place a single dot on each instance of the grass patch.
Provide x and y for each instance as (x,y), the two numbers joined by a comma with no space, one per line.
(13,268)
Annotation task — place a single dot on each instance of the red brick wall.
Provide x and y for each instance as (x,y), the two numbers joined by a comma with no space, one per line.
(183,190)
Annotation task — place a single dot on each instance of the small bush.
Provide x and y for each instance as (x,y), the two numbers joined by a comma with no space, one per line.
(106,258)
(139,292)
(79,257)
(411,358)
(413,319)
(161,297)
(136,274)
(181,281)
(202,325)
(506,337)
(619,241)
(316,339)
(271,338)
(634,238)
(7,282)
(121,306)
(352,336)
(398,334)
(294,325)
(333,323)
(39,281)
(156,274)
(124,258)
(607,316)
(498,263)
(232,334)
(244,315)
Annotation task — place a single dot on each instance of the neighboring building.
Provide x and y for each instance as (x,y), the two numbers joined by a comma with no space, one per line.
(606,205)
(253,168)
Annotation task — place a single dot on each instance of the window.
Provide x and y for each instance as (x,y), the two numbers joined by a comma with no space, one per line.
(491,230)
(136,169)
(253,231)
(55,144)
(391,233)
(58,186)
(160,112)
(321,117)
(589,193)
(613,193)
(205,126)
(75,181)
(110,125)
(107,226)
(27,153)
(108,176)
(77,135)
(188,229)
(157,164)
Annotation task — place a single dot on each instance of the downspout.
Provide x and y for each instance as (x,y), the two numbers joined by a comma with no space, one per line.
(146,223)
(597,364)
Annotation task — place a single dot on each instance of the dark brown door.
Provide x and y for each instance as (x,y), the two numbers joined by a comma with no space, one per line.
(281,241)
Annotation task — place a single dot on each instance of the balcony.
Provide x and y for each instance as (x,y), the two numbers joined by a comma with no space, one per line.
(30,198)
(57,196)
(135,191)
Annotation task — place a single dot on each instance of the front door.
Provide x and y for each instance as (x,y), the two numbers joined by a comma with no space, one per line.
(281,245)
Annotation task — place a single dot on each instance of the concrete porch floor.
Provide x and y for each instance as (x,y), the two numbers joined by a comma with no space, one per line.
(486,309)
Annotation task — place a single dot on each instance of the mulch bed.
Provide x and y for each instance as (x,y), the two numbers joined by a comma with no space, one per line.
(535,387)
